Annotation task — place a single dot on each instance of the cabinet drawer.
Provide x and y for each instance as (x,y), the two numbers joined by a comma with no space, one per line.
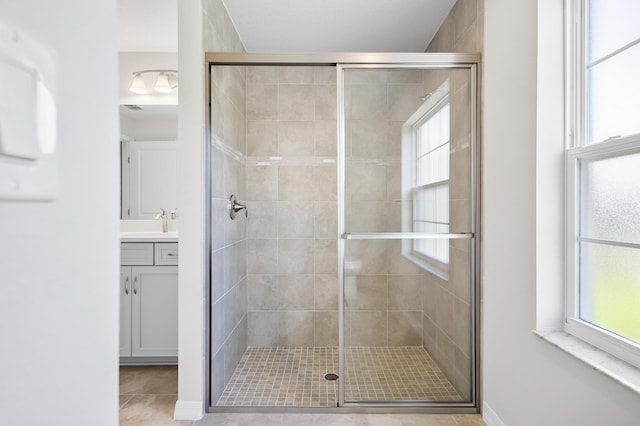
(166,254)
(136,253)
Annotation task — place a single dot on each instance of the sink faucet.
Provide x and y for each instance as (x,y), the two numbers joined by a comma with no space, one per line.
(163,217)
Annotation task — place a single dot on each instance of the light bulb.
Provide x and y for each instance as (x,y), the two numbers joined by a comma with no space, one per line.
(162,83)
(137,84)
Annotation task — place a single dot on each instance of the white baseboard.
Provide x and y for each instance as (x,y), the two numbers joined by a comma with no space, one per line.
(490,417)
(188,410)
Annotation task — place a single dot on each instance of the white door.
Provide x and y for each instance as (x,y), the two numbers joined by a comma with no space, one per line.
(155,311)
(152,178)
(125,310)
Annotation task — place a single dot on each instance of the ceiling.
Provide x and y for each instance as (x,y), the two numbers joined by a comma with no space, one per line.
(148,25)
(337,25)
(294,25)
(289,26)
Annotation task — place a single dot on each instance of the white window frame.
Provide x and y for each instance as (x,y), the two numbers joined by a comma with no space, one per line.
(578,149)
(435,102)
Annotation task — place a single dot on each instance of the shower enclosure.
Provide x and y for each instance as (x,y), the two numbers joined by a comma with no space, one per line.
(343,232)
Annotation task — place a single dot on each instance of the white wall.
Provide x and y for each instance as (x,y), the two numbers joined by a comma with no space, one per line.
(190,199)
(152,129)
(59,260)
(127,126)
(526,381)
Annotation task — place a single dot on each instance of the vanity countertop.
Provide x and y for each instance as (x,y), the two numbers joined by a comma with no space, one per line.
(148,237)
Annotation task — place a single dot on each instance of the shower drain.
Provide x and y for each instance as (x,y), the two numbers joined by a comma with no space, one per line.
(331,376)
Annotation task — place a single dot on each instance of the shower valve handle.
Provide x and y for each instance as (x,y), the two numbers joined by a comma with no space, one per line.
(235,206)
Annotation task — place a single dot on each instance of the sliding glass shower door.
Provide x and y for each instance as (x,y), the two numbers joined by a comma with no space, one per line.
(407,233)
(352,280)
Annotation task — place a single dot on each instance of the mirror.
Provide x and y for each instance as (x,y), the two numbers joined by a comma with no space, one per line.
(148,146)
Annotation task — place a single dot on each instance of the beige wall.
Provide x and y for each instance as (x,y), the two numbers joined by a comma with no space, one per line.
(384,297)
(228,237)
(462,31)
(292,247)
(447,302)
(447,305)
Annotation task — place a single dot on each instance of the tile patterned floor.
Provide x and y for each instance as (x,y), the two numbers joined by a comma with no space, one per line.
(340,420)
(148,395)
(402,373)
(294,377)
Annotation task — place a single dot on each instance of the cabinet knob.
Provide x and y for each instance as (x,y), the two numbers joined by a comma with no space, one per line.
(126,286)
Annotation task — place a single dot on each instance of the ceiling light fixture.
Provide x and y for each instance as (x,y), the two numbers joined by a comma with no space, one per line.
(166,81)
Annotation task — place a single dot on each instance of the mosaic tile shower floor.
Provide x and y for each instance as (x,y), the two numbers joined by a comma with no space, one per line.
(294,377)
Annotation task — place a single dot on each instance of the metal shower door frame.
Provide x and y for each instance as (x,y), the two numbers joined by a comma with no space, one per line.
(344,61)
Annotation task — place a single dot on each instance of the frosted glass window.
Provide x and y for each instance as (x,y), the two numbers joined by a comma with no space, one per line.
(431,183)
(432,149)
(609,277)
(603,179)
(432,216)
(442,204)
(610,288)
(610,198)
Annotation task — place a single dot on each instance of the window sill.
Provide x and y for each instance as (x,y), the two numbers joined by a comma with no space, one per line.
(435,267)
(625,374)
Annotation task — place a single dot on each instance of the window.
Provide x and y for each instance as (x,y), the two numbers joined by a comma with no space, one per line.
(426,181)
(603,178)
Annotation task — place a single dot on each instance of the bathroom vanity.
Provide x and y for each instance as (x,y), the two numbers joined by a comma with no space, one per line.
(148,298)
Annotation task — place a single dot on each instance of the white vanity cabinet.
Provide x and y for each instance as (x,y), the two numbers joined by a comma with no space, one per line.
(149,302)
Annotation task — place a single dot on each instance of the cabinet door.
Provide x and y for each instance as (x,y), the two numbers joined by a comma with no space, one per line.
(155,311)
(152,179)
(125,310)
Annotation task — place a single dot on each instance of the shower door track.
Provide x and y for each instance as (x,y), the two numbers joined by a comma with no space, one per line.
(425,61)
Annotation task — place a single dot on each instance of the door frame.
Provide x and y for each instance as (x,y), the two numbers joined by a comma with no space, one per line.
(340,61)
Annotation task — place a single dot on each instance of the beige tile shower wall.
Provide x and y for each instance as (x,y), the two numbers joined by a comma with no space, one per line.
(384,299)
(447,313)
(446,302)
(292,286)
(229,244)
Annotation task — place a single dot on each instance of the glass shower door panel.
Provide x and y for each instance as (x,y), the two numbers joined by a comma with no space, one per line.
(408,331)
(408,151)
(407,235)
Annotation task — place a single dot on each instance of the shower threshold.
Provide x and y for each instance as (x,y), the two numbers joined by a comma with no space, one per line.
(295,377)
